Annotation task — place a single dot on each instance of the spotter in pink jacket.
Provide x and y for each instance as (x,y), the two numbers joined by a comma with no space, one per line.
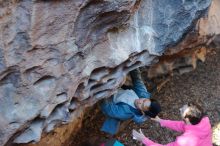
(193,135)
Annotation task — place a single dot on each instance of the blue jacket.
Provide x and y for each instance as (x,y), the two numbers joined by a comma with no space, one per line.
(119,112)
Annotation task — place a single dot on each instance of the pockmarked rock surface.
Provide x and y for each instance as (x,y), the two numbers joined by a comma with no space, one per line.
(195,46)
(58,57)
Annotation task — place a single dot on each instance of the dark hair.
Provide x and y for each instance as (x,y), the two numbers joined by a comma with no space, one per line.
(195,113)
(154,109)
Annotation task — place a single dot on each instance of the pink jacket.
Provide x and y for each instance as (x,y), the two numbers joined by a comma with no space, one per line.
(193,135)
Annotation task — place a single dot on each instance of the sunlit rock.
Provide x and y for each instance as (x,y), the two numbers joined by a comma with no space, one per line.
(58,57)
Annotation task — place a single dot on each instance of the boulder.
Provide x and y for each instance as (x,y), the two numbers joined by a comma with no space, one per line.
(59,57)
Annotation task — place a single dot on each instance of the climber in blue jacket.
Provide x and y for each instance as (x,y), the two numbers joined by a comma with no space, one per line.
(134,103)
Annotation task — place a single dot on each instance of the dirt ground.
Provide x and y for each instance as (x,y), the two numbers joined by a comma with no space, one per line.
(201,85)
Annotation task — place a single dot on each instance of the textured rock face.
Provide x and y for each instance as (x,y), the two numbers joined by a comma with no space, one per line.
(58,57)
(195,46)
(211,24)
